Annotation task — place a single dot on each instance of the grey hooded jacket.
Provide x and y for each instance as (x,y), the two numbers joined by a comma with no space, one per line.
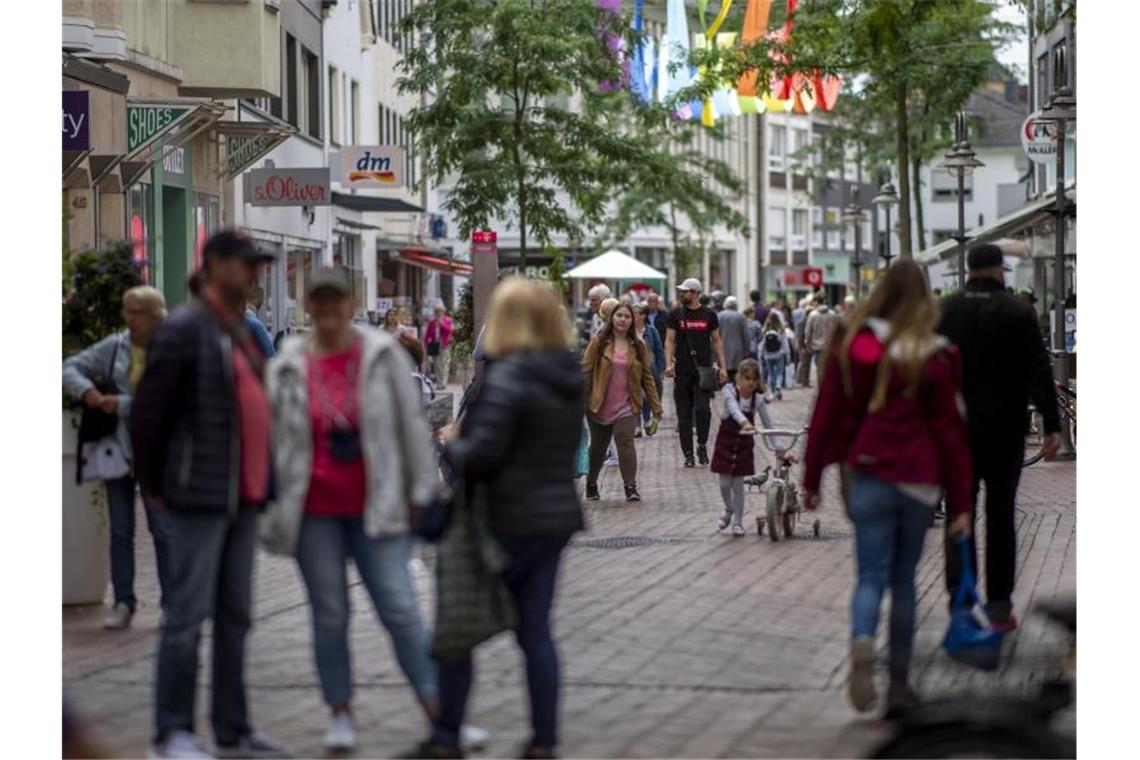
(82,370)
(399,455)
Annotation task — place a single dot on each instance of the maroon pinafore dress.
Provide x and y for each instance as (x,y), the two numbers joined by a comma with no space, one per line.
(734,454)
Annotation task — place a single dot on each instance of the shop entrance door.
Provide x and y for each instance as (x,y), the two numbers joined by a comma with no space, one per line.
(175,244)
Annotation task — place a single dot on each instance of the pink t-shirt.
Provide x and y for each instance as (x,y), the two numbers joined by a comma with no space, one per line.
(617,403)
(336,489)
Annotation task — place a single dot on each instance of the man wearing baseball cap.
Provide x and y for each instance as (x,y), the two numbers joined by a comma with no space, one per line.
(200,427)
(1005,365)
(700,330)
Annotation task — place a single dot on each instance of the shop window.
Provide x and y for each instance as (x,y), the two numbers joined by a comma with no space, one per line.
(140,205)
(207,221)
(298,273)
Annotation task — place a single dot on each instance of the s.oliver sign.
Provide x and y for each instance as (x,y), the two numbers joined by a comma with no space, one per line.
(288,187)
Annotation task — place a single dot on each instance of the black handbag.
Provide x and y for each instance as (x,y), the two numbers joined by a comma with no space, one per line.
(433,348)
(95,424)
(708,378)
(435,517)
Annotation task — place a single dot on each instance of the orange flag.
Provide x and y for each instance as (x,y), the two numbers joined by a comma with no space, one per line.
(755,24)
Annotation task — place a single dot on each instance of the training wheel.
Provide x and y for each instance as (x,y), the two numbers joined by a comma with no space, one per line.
(815,528)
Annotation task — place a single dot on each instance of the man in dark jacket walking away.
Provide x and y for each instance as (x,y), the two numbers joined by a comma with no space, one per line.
(200,426)
(1005,366)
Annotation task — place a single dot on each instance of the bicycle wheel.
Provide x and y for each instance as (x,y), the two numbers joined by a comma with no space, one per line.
(1033,442)
(772,512)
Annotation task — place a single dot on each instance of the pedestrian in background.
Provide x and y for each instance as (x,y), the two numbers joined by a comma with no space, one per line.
(437,337)
(596,296)
(656,314)
(734,454)
(253,321)
(775,355)
(618,371)
(200,428)
(516,445)
(888,411)
(648,335)
(799,323)
(758,306)
(121,359)
(755,333)
(1005,366)
(700,327)
(818,331)
(735,335)
(354,458)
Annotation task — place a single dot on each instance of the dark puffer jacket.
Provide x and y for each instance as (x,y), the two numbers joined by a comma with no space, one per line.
(520,436)
(183,422)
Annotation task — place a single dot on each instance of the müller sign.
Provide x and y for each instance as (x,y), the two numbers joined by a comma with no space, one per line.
(288,187)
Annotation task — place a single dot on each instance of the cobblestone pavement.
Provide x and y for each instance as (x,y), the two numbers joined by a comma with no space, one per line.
(682,642)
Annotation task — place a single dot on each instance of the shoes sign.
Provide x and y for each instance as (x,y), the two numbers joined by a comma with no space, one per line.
(372,166)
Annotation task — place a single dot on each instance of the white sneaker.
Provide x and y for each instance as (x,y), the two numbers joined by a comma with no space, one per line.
(738,530)
(473,738)
(118,617)
(417,568)
(610,462)
(179,744)
(723,521)
(341,736)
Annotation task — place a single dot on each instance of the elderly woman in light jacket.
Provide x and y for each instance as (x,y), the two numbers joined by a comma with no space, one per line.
(354,456)
(121,357)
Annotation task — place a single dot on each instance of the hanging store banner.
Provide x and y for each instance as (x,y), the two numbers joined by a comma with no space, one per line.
(288,187)
(243,150)
(76,120)
(1039,139)
(146,123)
(372,166)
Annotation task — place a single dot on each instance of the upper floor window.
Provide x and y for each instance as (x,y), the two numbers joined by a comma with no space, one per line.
(777,146)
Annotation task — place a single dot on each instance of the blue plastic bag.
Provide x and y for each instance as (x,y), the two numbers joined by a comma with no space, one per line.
(970,640)
(583,464)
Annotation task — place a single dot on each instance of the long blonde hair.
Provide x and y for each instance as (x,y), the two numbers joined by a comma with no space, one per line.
(902,298)
(525,315)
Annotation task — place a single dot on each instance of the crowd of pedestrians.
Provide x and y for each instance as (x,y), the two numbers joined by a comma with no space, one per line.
(323,450)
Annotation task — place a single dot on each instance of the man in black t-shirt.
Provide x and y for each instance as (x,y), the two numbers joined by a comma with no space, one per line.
(692,335)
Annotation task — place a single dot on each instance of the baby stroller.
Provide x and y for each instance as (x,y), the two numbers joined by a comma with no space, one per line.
(782,507)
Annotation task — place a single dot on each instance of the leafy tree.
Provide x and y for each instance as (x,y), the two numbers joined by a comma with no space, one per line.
(514,114)
(93,286)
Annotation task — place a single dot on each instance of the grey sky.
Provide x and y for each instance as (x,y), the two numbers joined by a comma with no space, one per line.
(1016,54)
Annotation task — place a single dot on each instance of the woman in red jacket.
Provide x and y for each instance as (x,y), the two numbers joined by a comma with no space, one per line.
(890,413)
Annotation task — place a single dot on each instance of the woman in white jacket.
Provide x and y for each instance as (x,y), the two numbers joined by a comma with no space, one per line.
(354,456)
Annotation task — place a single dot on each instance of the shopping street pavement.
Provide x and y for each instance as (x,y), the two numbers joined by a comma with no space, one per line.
(680,641)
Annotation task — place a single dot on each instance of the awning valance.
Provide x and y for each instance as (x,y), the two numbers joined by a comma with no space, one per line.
(419,256)
(1010,224)
(353,225)
(373,203)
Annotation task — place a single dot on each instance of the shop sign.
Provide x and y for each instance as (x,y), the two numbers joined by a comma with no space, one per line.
(288,187)
(372,166)
(808,277)
(174,161)
(485,241)
(243,150)
(144,123)
(384,305)
(76,120)
(1039,139)
(813,277)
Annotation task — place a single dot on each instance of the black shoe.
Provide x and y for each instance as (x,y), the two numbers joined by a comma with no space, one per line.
(532,752)
(901,699)
(702,455)
(592,492)
(430,750)
(689,461)
(631,493)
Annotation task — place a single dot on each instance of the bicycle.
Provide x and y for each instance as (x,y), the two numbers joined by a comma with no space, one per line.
(995,726)
(1067,406)
(783,505)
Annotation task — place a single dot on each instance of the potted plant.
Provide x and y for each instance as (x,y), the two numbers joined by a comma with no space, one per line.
(463,337)
(93,287)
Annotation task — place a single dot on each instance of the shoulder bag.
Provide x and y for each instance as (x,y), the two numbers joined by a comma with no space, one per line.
(708,378)
(96,425)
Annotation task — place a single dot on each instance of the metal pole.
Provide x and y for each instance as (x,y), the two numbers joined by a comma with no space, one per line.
(888,235)
(1061,367)
(858,259)
(961,229)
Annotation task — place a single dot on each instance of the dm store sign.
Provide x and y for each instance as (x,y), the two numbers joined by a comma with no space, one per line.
(372,166)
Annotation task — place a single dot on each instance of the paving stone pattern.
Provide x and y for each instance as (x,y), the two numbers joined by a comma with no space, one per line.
(675,640)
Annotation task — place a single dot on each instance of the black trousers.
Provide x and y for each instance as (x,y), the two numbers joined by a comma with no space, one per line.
(997,462)
(692,404)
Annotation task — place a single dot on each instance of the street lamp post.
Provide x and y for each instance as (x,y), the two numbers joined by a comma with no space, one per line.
(1061,108)
(960,162)
(886,198)
(857,217)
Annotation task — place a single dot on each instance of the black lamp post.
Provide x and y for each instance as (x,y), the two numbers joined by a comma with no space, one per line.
(857,216)
(1061,109)
(886,198)
(960,162)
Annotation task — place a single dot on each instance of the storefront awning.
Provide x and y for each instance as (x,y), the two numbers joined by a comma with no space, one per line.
(248,141)
(1010,224)
(156,124)
(353,225)
(373,203)
(423,258)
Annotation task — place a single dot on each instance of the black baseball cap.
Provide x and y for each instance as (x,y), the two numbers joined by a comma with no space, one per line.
(986,256)
(231,244)
(330,279)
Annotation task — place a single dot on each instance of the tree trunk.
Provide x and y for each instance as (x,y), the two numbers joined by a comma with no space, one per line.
(920,224)
(903,142)
(522,225)
(678,275)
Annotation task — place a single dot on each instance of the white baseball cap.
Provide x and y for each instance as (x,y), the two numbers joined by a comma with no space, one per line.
(690,284)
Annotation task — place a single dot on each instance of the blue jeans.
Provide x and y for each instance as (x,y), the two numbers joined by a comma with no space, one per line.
(210,576)
(325,545)
(774,372)
(889,530)
(121,511)
(531,578)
